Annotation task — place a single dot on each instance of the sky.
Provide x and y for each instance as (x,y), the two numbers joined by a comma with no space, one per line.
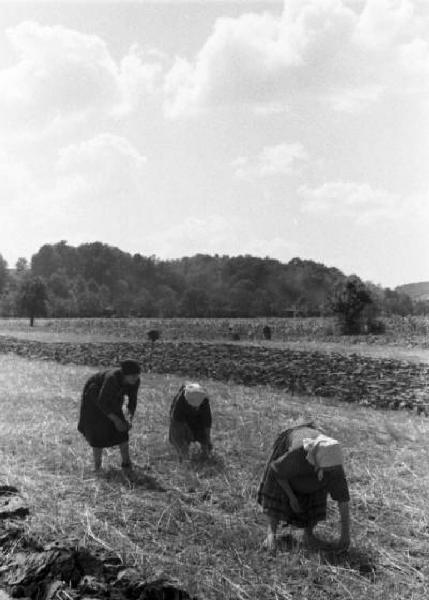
(280,129)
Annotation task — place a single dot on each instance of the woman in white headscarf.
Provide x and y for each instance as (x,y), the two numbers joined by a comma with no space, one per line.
(305,465)
(190,419)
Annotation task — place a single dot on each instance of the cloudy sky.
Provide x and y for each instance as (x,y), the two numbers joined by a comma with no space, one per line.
(282,129)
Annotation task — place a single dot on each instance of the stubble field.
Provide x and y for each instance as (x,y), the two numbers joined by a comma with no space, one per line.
(197,525)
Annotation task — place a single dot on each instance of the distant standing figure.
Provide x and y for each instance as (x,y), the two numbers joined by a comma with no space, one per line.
(305,465)
(266,331)
(234,335)
(190,419)
(102,421)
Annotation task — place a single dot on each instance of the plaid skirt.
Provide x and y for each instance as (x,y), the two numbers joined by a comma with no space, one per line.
(274,499)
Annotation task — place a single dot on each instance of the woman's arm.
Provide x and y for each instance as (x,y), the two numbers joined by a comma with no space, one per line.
(338,489)
(205,414)
(178,410)
(107,402)
(285,485)
(132,399)
(344,540)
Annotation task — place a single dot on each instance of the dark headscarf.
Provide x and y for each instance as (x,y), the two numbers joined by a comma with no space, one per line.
(130,367)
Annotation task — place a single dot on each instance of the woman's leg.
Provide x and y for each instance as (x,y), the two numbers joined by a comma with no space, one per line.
(205,441)
(125,455)
(180,436)
(270,541)
(98,456)
(313,541)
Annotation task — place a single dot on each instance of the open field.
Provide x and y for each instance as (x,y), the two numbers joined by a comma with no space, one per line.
(407,338)
(407,332)
(205,529)
(357,378)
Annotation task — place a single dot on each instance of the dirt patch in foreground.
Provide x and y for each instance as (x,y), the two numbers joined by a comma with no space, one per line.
(64,570)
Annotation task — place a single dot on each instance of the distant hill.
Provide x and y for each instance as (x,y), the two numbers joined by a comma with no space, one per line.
(96,279)
(416,291)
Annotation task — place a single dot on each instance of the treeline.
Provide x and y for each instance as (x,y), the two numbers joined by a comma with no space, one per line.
(95,279)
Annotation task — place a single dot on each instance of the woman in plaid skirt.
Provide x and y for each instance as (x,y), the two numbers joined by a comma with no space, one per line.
(305,465)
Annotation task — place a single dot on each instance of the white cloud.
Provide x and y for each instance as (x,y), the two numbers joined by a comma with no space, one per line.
(217,235)
(140,76)
(63,75)
(362,203)
(354,99)
(101,178)
(195,235)
(281,159)
(383,23)
(106,153)
(16,186)
(93,192)
(346,55)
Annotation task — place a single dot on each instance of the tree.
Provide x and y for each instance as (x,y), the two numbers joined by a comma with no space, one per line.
(32,298)
(201,285)
(90,304)
(142,304)
(8,303)
(194,303)
(166,301)
(59,284)
(397,303)
(4,275)
(349,302)
(21,264)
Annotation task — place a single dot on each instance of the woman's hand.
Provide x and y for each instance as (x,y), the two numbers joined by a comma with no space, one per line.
(120,424)
(123,426)
(343,543)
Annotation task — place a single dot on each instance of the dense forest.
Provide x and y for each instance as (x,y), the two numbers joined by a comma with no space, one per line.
(96,279)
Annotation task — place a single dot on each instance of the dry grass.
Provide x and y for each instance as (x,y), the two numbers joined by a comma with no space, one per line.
(205,528)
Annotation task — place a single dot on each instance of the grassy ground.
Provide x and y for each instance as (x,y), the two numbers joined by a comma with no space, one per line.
(199,522)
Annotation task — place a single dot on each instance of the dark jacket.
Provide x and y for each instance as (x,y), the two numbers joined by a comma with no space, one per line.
(197,418)
(104,393)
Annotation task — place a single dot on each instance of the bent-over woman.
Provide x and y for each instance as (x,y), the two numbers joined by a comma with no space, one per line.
(305,465)
(190,419)
(102,421)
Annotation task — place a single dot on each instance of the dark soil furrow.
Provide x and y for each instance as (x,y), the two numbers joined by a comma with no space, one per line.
(382,383)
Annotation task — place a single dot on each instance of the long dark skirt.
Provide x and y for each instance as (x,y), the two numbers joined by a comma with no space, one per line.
(181,435)
(98,430)
(275,501)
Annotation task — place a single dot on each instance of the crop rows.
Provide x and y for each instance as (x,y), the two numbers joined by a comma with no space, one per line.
(409,330)
(383,383)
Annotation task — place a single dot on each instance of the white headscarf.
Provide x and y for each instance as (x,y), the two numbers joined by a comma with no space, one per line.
(194,394)
(322,451)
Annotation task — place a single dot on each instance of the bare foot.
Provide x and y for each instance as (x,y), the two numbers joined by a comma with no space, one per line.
(312,541)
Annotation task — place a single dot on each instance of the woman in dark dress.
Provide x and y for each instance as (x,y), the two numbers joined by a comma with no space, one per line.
(190,419)
(102,421)
(305,465)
